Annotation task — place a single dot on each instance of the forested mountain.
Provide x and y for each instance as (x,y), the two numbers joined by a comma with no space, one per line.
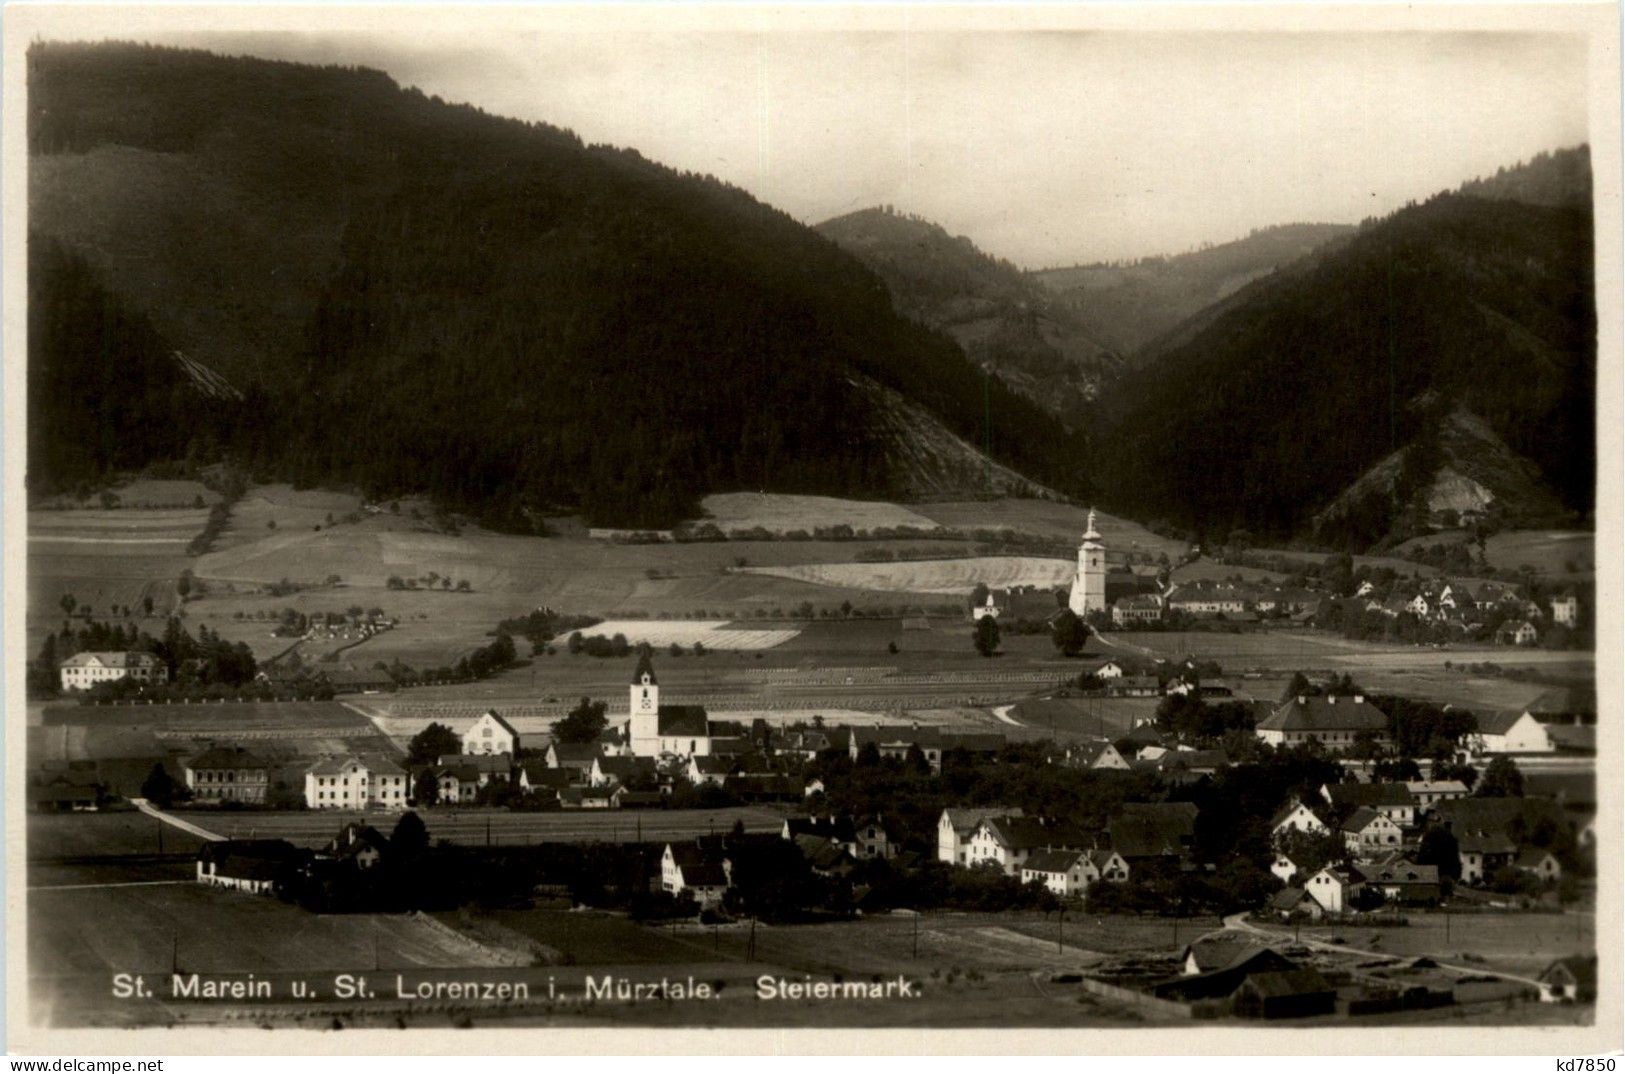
(1460,333)
(1007,324)
(423,297)
(1130,304)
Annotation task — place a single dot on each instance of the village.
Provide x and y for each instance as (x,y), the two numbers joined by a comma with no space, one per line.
(1321,808)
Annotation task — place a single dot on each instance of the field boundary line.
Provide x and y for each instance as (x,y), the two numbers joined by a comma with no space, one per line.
(185,826)
(377,726)
(114,884)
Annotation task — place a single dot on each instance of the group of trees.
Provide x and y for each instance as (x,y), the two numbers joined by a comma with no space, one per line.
(207,662)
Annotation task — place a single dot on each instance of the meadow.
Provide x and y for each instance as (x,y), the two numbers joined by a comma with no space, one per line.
(780,513)
(950,577)
(712,634)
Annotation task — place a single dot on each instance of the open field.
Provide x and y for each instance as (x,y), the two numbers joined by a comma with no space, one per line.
(65,836)
(1207,570)
(293,511)
(780,513)
(951,577)
(316,827)
(1556,554)
(140,929)
(1095,717)
(142,493)
(251,718)
(1059,521)
(1518,943)
(713,634)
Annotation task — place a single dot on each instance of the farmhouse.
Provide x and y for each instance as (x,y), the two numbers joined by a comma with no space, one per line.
(1335,722)
(1141,609)
(1367,830)
(576,757)
(1392,800)
(1284,868)
(361,845)
(1566,608)
(64,790)
(956,826)
(1509,732)
(1540,864)
(1404,882)
(1482,851)
(1299,993)
(355,783)
(1521,632)
(1296,817)
(491,734)
(897,742)
(1008,841)
(656,729)
(458,783)
(258,866)
(1070,872)
(489,766)
(84,670)
(1095,754)
(1333,888)
(227,774)
(686,869)
(1427,792)
(1572,980)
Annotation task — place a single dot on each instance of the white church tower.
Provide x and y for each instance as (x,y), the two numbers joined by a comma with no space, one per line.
(1089,587)
(643,732)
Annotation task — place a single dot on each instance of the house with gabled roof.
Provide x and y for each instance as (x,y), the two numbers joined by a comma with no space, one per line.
(1570,980)
(1008,841)
(1337,723)
(1508,731)
(1071,872)
(956,826)
(359,844)
(459,784)
(575,756)
(490,766)
(1334,888)
(1517,632)
(1538,863)
(1095,753)
(1147,832)
(257,866)
(1295,816)
(1428,792)
(686,869)
(627,770)
(1367,831)
(1404,882)
(491,734)
(1392,800)
(656,729)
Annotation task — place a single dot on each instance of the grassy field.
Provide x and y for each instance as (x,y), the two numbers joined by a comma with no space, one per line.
(778,513)
(206,930)
(1108,717)
(1557,554)
(1517,943)
(949,577)
(1059,521)
(316,827)
(56,836)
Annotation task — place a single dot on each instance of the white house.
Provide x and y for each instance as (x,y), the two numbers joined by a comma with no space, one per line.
(1392,800)
(84,670)
(684,869)
(1428,792)
(1337,723)
(1296,817)
(1284,868)
(355,783)
(252,865)
(1367,831)
(1566,608)
(1096,754)
(1509,732)
(227,774)
(491,734)
(987,609)
(1333,888)
(1071,872)
(956,826)
(1522,632)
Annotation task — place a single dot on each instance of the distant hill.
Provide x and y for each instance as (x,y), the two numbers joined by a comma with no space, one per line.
(1128,305)
(1460,332)
(1005,323)
(423,297)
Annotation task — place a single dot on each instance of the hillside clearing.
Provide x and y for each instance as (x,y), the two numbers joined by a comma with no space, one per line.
(714,634)
(935,576)
(780,513)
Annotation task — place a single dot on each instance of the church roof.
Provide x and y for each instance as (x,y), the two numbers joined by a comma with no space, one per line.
(677,720)
(1091,533)
(645,665)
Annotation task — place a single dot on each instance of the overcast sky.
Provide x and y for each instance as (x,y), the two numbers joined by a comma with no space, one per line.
(1043,148)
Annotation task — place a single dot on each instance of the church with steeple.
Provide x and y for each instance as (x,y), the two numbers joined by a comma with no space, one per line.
(655,730)
(1089,587)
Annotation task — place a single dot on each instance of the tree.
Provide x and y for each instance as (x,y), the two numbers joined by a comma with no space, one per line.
(410,836)
(1501,780)
(427,789)
(69,602)
(1438,847)
(431,743)
(584,723)
(986,637)
(1068,633)
(159,787)
(183,584)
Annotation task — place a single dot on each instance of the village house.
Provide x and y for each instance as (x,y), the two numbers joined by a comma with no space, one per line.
(1008,841)
(1367,831)
(1295,816)
(956,826)
(257,866)
(1335,722)
(360,845)
(1508,732)
(1392,800)
(1483,851)
(704,768)
(459,784)
(491,734)
(1134,686)
(1404,882)
(227,774)
(1071,872)
(64,790)
(1520,632)
(685,869)
(1570,980)
(84,670)
(1428,792)
(576,757)
(626,770)
(490,766)
(1153,832)
(1292,902)
(1095,754)
(1102,669)
(1566,608)
(1136,609)
(1284,868)
(372,782)
(1334,888)
(1541,864)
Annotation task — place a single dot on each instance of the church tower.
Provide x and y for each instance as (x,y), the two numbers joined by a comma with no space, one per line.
(1089,587)
(643,731)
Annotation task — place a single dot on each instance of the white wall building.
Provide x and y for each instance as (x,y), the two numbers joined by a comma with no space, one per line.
(354,783)
(491,734)
(1089,587)
(84,670)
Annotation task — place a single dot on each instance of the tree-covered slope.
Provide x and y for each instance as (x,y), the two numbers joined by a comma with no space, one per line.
(490,311)
(1006,323)
(1267,413)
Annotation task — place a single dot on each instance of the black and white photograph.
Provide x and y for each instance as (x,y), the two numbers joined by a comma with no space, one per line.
(813,518)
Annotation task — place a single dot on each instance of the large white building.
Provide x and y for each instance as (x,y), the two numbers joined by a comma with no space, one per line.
(491,734)
(656,729)
(1089,587)
(84,670)
(356,783)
